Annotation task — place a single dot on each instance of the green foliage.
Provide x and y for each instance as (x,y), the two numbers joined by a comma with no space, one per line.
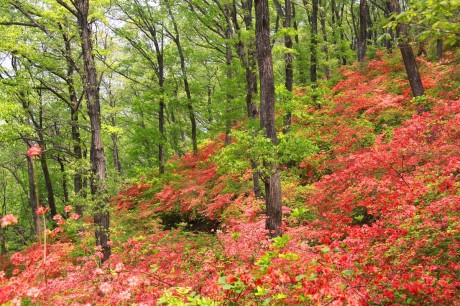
(432,19)
(184,296)
(294,148)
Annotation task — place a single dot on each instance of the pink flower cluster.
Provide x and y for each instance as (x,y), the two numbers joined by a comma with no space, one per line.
(8,220)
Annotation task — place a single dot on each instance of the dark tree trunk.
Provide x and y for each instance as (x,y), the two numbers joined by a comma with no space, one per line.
(439,49)
(246,53)
(78,154)
(113,123)
(228,62)
(407,52)
(286,14)
(388,41)
(48,183)
(362,37)
(161,129)
(191,112)
(33,195)
(209,106)
(342,32)
(115,153)
(75,128)
(314,43)
(337,20)
(161,81)
(43,161)
(65,189)
(267,115)
(97,157)
(74,108)
(247,56)
(2,230)
(325,48)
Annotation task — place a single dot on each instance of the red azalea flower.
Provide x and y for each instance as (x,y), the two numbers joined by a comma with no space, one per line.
(34,150)
(41,210)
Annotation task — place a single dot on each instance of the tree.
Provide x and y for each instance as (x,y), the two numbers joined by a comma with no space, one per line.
(177,40)
(286,14)
(407,53)
(362,37)
(91,86)
(267,115)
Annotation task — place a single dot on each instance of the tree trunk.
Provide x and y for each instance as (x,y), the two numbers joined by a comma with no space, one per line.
(267,115)
(65,189)
(362,37)
(75,128)
(314,43)
(113,122)
(78,154)
(325,48)
(246,53)
(229,96)
(407,53)
(97,157)
(439,49)
(48,183)
(33,196)
(286,14)
(191,111)
(3,230)
(159,53)
(161,129)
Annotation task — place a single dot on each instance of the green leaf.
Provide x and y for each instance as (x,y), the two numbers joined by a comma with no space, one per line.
(347,272)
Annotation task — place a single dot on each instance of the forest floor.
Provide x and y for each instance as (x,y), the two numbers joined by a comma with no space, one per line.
(371,211)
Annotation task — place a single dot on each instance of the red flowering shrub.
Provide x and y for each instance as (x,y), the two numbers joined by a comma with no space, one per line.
(372,219)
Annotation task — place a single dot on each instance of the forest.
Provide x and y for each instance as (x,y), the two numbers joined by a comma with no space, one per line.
(230,152)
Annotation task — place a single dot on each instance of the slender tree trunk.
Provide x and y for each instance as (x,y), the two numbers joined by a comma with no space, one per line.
(97,157)
(362,37)
(209,106)
(65,189)
(325,48)
(267,115)
(191,111)
(33,198)
(161,129)
(342,32)
(407,52)
(439,49)
(314,43)
(388,41)
(229,96)
(113,122)
(246,53)
(78,154)
(75,127)
(175,134)
(2,230)
(286,14)
(48,183)
(160,71)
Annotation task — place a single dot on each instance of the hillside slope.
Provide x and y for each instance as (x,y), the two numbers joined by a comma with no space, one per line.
(372,212)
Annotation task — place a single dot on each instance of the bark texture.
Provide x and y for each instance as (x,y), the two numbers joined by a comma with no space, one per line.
(267,115)
(362,37)
(98,163)
(407,52)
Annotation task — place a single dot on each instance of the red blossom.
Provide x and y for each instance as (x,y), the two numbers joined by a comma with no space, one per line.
(34,150)
(41,210)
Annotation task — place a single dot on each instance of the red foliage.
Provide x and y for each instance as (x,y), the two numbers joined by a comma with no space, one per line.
(385,230)
(128,197)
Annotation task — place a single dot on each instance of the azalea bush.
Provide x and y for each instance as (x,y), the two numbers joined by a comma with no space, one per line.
(371,213)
